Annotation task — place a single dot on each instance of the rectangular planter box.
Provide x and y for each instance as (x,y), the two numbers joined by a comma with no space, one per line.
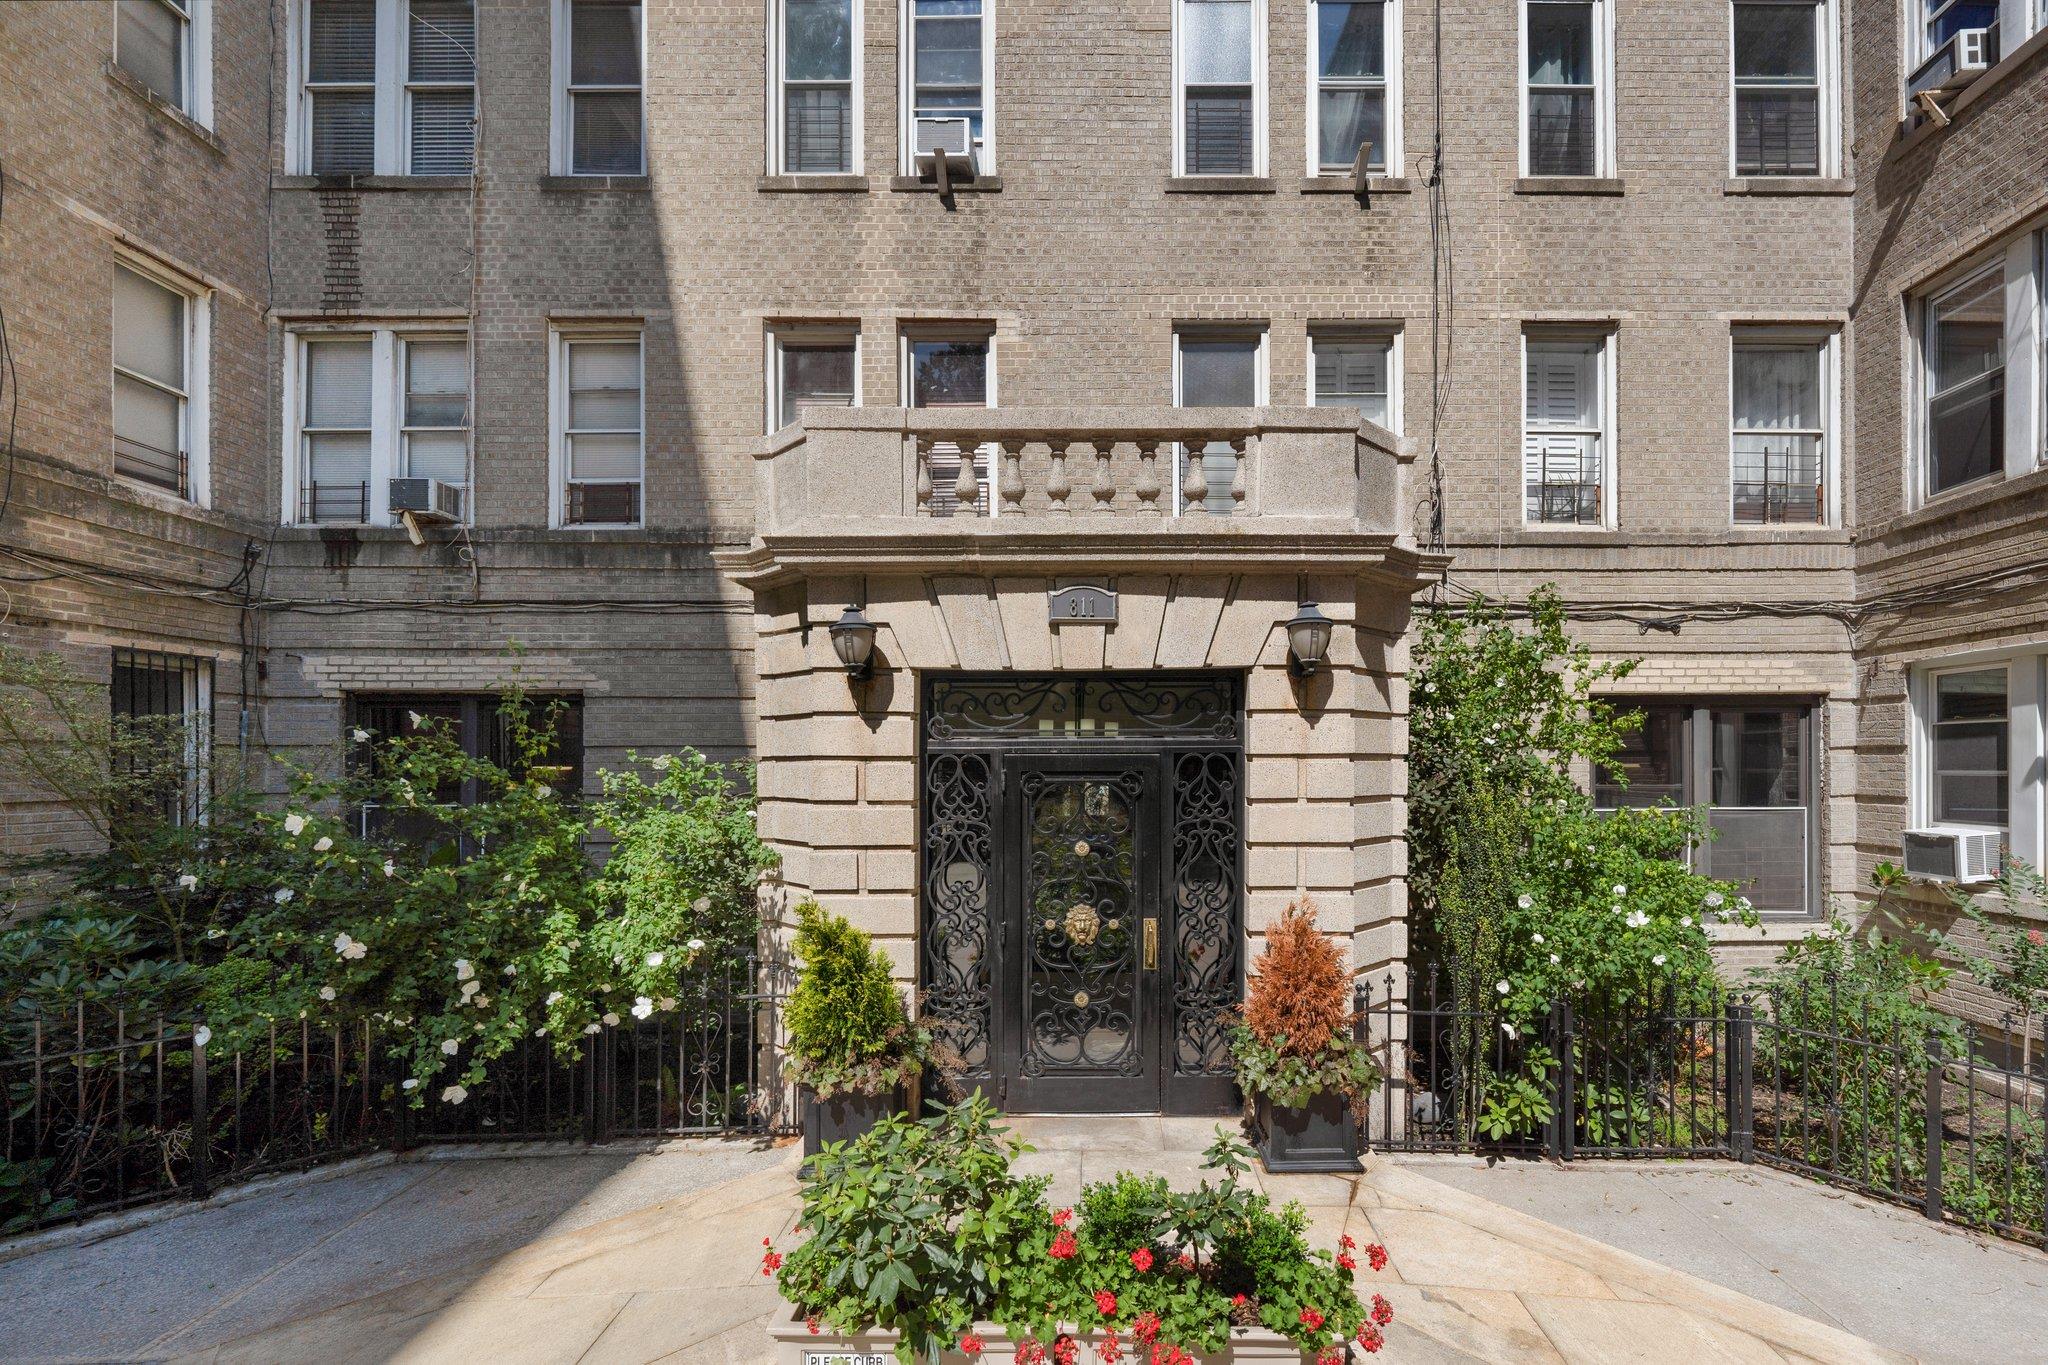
(1320,1136)
(844,1117)
(791,1343)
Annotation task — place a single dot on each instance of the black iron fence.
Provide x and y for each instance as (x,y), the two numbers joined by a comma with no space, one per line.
(1814,1086)
(107,1111)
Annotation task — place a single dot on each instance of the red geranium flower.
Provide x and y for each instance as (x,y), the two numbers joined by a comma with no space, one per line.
(1382,1311)
(1146,1328)
(1063,1246)
(1030,1353)
(1109,1351)
(771,1262)
(1238,1300)
(1062,1217)
(1142,1259)
(1344,1240)
(1370,1340)
(1105,1303)
(812,1324)
(1311,1319)
(1332,1356)
(1346,1261)
(1377,1255)
(1065,1350)
(970,1345)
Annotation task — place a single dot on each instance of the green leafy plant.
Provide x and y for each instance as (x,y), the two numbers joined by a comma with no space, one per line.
(848,1030)
(1295,1042)
(2003,954)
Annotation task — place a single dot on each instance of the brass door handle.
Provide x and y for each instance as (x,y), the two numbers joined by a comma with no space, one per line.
(1151,944)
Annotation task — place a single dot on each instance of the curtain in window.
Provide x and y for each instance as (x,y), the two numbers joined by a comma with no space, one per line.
(149,44)
(1778,418)
(1562,109)
(150,330)
(337,430)
(1777,88)
(1351,62)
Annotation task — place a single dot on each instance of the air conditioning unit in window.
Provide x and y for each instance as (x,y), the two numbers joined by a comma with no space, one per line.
(947,140)
(426,499)
(1952,853)
(1956,63)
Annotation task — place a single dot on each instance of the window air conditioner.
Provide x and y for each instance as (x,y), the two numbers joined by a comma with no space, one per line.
(427,499)
(950,138)
(1955,63)
(1952,853)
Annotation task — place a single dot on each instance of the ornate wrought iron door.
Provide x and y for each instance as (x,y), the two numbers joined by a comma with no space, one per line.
(1082,885)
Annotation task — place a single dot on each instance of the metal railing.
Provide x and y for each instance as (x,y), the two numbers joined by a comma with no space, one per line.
(333,502)
(1812,1085)
(107,1110)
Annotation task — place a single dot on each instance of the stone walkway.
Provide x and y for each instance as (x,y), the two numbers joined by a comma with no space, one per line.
(678,1279)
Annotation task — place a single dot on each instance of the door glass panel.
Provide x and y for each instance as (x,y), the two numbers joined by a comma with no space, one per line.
(1081,927)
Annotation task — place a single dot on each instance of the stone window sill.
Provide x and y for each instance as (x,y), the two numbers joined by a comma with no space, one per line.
(1374,184)
(1219,184)
(1974,497)
(370,182)
(912,184)
(592,184)
(1791,185)
(170,113)
(1568,184)
(814,184)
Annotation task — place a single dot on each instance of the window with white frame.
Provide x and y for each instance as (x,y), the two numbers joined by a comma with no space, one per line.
(1935,22)
(1965,367)
(601,105)
(811,367)
(1353,369)
(1354,47)
(158,372)
(165,45)
(369,406)
(1969,746)
(814,57)
(1216,368)
(1219,86)
(1781,400)
(1567,457)
(1783,51)
(948,74)
(387,87)
(951,369)
(1564,115)
(600,419)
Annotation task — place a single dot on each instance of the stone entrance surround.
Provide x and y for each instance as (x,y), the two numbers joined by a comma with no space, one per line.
(848,515)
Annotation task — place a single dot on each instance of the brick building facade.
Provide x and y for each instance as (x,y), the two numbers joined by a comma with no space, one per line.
(682,217)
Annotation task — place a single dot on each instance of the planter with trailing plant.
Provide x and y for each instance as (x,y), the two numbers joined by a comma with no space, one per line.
(852,1048)
(1296,1059)
(921,1241)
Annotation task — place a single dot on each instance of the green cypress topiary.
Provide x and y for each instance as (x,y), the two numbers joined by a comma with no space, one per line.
(848,1030)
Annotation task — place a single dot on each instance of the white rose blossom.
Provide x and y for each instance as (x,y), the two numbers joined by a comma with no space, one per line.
(413,719)
(470,988)
(656,959)
(1657,961)
(349,948)
(293,823)
(1536,938)
(611,1020)
(409,1083)
(554,998)
(454,1094)
(201,1036)
(511,970)
(483,1001)
(1502,987)
(642,1007)
(695,945)
(1524,901)
(1637,919)
(667,1002)
(359,734)
(1555,959)
(281,895)
(661,763)
(463,971)
(389,867)
(701,904)
(188,882)
(327,992)
(1620,890)
(590,1028)
(1714,899)
(450,1047)
(322,844)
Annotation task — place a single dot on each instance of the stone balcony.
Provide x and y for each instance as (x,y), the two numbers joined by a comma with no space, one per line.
(882,489)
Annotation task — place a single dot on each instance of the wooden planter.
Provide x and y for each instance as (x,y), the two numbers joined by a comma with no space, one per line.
(844,1117)
(1319,1136)
(791,1343)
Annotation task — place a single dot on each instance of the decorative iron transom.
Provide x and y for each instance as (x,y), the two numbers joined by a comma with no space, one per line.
(1107,706)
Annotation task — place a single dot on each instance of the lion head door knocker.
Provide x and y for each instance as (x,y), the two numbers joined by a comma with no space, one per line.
(1083,924)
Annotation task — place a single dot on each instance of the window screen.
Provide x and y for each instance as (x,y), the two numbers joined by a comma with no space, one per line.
(335,430)
(1777,87)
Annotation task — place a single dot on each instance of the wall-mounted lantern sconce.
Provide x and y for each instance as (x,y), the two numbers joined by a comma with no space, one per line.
(1308,640)
(853,640)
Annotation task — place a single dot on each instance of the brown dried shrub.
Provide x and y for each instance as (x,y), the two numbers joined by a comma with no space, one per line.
(1302,990)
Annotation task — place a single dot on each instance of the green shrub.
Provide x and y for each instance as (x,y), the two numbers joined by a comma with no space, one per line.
(848,1030)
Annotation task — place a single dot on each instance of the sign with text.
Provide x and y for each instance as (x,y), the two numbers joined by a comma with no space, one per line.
(1081,606)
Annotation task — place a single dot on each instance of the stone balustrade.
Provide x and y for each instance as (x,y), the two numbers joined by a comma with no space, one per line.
(869,471)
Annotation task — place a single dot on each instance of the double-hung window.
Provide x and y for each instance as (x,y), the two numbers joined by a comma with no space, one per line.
(339,117)
(1567,458)
(949,74)
(1353,47)
(159,383)
(1969,740)
(1564,116)
(161,707)
(1751,766)
(1783,50)
(599,428)
(952,370)
(1220,368)
(600,106)
(369,406)
(164,44)
(815,57)
(811,367)
(1353,370)
(440,87)
(1781,402)
(1965,363)
(1934,22)
(1219,63)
